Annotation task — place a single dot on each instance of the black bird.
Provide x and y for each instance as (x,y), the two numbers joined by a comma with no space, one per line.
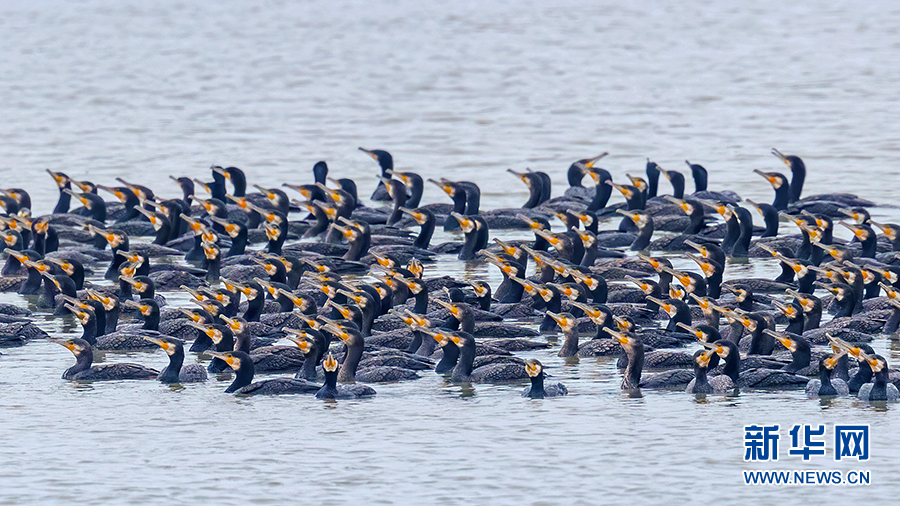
(701,384)
(742,245)
(13,242)
(781,186)
(63,182)
(160,223)
(476,235)
(426,220)
(826,385)
(538,390)
(644,224)
(677,181)
(770,217)
(458,193)
(176,371)
(397,191)
(602,189)
(652,179)
(92,202)
(634,350)
(31,260)
(880,390)
(84,357)
(415,187)
(576,172)
(45,238)
(798,173)
(386,162)
(533,181)
(332,390)
(243,384)
(700,174)
(236,176)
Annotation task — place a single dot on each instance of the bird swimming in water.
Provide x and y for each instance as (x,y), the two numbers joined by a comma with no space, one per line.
(537,389)
(701,384)
(826,385)
(83,370)
(572,280)
(176,371)
(880,390)
(332,390)
(243,384)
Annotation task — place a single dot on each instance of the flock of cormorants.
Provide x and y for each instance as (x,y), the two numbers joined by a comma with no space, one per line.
(347,286)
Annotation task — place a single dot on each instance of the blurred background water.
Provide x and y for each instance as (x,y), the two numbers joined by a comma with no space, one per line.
(463,90)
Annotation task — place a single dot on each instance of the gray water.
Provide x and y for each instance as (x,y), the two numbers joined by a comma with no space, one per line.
(144,90)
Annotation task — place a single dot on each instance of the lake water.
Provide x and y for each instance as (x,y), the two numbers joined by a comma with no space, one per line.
(144,90)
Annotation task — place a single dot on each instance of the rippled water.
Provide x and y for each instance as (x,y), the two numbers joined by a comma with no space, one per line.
(144,90)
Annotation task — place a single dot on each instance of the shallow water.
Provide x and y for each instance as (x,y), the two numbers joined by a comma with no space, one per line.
(101,89)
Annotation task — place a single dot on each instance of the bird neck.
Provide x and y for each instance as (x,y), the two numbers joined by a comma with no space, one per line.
(329,389)
(825,376)
(758,340)
(535,189)
(846,305)
(449,360)
(65,200)
(274,245)
(463,370)
(602,192)
(537,386)
(795,324)
(799,359)
(813,318)
(89,332)
(151,321)
(238,243)
(677,182)
(171,374)
(427,347)
(421,306)
(242,341)
(732,365)
(83,362)
(417,340)
(416,190)
(700,376)
(574,176)
(32,284)
(308,371)
(470,246)
(110,320)
(347,373)
(645,234)
(879,386)
(570,345)
(770,217)
(243,377)
(359,248)
(255,307)
(425,233)
(782,197)
(798,176)
(632,377)
(893,322)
